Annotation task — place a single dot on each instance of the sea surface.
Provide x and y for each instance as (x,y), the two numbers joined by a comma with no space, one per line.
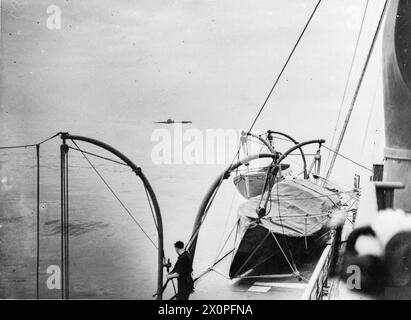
(110,72)
(110,257)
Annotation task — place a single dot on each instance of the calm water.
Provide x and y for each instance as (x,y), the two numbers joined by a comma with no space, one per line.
(109,255)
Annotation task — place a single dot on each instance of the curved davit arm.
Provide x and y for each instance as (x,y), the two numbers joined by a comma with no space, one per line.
(146,183)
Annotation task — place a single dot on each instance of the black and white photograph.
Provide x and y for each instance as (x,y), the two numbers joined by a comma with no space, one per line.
(226,151)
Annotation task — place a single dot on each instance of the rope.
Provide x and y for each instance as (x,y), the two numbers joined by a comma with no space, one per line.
(284,66)
(258,114)
(83,152)
(197,230)
(37,145)
(212,266)
(225,226)
(115,195)
(370,113)
(292,266)
(316,197)
(357,89)
(225,242)
(29,145)
(253,252)
(235,240)
(346,158)
(221,274)
(282,227)
(98,156)
(122,163)
(348,79)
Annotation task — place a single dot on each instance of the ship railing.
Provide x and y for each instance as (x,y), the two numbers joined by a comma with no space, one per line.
(318,284)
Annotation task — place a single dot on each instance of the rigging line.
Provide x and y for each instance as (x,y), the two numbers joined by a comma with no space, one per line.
(282,139)
(265,260)
(284,66)
(52,137)
(357,89)
(212,266)
(296,216)
(356,163)
(197,230)
(282,227)
(370,113)
(282,70)
(222,258)
(291,265)
(118,199)
(225,242)
(221,274)
(156,224)
(202,277)
(320,222)
(29,145)
(38,224)
(18,147)
(264,104)
(328,196)
(235,239)
(316,197)
(252,253)
(225,226)
(332,183)
(98,156)
(348,79)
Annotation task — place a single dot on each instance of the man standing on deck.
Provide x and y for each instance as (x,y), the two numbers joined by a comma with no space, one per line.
(182,271)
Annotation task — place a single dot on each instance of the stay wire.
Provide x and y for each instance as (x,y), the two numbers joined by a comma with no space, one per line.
(115,195)
(348,159)
(194,234)
(284,66)
(29,145)
(348,79)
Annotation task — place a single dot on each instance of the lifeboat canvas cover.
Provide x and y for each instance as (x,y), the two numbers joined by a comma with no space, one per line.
(299,215)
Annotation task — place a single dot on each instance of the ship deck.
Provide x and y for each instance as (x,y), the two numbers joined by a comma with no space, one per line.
(216,286)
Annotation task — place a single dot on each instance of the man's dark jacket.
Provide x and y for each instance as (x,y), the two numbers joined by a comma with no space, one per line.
(184,269)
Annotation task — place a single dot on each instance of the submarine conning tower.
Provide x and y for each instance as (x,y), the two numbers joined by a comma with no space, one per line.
(397,99)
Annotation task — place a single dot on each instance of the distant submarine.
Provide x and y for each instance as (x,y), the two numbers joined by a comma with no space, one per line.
(171,121)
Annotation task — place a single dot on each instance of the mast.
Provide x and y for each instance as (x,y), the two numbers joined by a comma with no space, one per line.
(357,89)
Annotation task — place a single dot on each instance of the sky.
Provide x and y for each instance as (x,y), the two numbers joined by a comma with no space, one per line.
(129,63)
